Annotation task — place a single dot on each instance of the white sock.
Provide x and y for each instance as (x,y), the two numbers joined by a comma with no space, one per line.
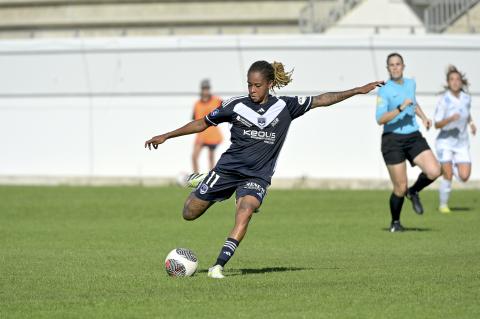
(455,171)
(445,189)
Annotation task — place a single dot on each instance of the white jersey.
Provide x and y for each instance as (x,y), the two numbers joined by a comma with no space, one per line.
(454,135)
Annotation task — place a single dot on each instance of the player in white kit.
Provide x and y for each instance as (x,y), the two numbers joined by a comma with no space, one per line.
(452,116)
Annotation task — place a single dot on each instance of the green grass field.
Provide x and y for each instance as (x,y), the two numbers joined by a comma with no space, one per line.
(80,252)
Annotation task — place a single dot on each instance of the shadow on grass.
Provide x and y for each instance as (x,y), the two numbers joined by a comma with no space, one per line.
(460,209)
(408,229)
(253,271)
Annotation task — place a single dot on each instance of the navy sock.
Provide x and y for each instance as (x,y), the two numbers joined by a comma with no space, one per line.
(422,182)
(396,204)
(227,251)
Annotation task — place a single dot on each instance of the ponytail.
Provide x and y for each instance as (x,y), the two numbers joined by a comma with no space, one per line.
(273,72)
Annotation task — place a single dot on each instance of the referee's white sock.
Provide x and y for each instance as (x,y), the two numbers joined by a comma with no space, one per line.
(445,189)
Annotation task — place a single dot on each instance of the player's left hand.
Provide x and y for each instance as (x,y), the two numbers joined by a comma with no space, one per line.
(370,86)
(427,123)
(155,141)
(473,128)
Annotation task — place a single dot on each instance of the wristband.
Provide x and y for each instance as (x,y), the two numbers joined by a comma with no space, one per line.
(399,108)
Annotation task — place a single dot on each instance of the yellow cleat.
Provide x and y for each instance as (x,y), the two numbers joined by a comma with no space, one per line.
(216,272)
(193,180)
(444,210)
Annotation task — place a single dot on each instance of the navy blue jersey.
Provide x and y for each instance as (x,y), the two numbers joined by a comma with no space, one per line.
(257,134)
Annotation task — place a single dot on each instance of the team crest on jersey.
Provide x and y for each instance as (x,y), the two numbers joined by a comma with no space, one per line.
(261,121)
(214,112)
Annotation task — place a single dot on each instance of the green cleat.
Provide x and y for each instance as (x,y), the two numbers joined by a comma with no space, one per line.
(444,209)
(193,180)
(216,272)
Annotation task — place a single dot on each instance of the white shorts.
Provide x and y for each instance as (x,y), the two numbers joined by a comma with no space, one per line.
(456,156)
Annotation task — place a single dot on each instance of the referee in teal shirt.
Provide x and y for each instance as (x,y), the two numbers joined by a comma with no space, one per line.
(397,109)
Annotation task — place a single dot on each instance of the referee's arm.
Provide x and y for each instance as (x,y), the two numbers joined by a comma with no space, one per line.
(388,116)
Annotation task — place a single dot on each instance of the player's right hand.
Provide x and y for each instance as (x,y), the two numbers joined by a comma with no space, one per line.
(406,103)
(155,141)
(454,117)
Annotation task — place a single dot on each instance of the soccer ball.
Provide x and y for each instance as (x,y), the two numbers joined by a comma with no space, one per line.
(181,262)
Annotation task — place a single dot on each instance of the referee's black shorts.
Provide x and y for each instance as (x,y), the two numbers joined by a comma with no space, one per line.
(396,148)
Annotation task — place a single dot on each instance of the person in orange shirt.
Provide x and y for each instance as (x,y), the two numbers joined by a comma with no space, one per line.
(212,136)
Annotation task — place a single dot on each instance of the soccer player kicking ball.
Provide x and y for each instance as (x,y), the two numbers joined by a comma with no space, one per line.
(260,123)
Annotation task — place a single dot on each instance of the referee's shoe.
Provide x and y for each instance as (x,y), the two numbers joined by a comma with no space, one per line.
(396,227)
(416,204)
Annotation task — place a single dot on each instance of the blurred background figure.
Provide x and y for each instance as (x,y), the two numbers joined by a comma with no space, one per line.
(211,137)
(452,118)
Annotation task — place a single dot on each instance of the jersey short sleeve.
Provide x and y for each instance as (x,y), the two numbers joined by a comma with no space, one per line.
(440,110)
(224,113)
(382,103)
(469,103)
(297,105)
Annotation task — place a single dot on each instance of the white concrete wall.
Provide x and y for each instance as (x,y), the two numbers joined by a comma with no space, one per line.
(85,107)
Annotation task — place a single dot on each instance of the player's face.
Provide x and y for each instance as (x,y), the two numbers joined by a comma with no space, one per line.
(205,93)
(395,68)
(258,87)
(454,82)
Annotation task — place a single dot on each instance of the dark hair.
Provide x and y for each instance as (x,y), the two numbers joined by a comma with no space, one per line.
(391,55)
(453,69)
(274,72)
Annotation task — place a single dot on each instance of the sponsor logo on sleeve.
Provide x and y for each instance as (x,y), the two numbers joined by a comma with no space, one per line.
(214,112)
(302,100)
(379,100)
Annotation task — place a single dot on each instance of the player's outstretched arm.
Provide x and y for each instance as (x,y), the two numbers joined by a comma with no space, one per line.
(190,128)
(330,98)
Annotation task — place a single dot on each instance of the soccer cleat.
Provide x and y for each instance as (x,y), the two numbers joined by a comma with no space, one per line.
(216,272)
(193,180)
(396,227)
(416,204)
(444,209)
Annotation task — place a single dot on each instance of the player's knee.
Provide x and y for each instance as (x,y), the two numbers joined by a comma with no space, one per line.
(400,189)
(447,175)
(464,177)
(245,212)
(433,173)
(188,213)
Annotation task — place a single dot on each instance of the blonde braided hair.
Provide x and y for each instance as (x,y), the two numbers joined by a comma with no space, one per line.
(274,72)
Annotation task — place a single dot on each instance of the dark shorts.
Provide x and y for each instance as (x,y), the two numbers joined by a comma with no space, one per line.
(210,146)
(220,186)
(396,148)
